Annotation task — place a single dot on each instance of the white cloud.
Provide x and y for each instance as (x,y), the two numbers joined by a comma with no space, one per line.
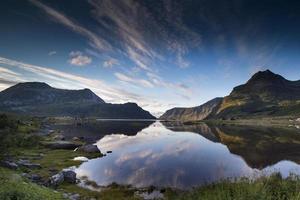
(9,78)
(51,53)
(65,80)
(136,82)
(78,59)
(110,63)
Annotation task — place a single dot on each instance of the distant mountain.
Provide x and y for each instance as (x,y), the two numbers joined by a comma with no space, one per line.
(195,113)
(40,99)
(264,94)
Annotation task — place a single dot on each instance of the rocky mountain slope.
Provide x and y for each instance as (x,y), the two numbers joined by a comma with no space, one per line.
(195,113)
(264,94)
(40,99)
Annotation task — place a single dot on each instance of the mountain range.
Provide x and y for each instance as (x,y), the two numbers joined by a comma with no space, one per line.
(264,94)
(40,99)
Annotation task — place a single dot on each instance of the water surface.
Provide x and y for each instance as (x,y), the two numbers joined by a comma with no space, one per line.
(185,156)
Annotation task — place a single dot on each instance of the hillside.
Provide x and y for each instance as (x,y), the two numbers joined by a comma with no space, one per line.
(40,99)
(264,94)
(195,113)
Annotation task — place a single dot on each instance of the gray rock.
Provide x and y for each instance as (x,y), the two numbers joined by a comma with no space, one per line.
(74,197)
(89,148)
(59,137)
(69,176)
(32,177)
(10,165)
(27,164)
(75,139)
(56,179)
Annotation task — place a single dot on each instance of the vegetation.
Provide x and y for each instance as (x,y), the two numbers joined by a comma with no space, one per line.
(14,187)
(266,188)
(20,141)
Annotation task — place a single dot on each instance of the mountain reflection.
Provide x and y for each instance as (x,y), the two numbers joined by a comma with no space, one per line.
(95,130)
(259,146)
(185,156)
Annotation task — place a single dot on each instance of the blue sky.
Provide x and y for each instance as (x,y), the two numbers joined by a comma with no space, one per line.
(159,54)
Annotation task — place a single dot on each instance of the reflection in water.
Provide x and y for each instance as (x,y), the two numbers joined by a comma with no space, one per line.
(95,130)
(185,156)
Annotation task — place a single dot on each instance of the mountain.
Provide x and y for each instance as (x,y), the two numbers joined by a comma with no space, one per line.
(40,99)
(264,94)
(195,113)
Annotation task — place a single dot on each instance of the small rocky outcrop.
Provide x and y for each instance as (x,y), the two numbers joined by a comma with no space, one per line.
(71,196)
(69,176)
(65,175)
(56,179)
(28,164)
(89,148)
(33,177)
(9,164)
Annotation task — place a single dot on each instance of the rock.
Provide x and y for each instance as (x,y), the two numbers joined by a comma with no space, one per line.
(61,145)
(32,177)
(81,158)
(10,165)
(56,179)
(89,148)
(75,139)
(27,164)
(69,176)
(109,152)
(74,197)
(59,137)
(298,120)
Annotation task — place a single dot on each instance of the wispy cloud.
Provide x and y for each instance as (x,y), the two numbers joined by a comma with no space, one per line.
(136,82)
(8,78)
(61,79)
(78,59)
(59,17)
(51,53)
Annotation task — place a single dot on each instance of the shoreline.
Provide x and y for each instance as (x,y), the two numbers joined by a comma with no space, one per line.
(52,161)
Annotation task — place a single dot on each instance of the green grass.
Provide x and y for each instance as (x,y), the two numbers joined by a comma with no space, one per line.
(266,188)
(14,187)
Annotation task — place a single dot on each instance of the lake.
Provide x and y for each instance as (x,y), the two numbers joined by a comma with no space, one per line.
(170,154)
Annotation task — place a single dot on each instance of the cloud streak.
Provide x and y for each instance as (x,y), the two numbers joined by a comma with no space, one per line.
(94,39)
(136,82)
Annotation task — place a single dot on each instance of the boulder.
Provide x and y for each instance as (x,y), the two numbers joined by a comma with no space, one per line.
(75,139)
(10,165)
(32,177)
(89,148)
(69,176)
(56,179)
(27,164)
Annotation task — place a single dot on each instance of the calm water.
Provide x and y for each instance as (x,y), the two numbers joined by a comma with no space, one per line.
(184,156)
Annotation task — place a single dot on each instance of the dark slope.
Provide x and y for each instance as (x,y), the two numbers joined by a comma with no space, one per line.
(40,99)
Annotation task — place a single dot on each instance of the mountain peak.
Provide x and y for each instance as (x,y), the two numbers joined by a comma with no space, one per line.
(266,75)
(37,85)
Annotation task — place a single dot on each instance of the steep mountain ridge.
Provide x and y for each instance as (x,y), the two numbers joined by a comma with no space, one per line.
(264,94)
(40,99)
(194,113)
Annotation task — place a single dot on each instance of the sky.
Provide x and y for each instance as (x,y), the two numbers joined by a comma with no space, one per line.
(157,53)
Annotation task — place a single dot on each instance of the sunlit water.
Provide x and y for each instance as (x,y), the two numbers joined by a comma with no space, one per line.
(161,157)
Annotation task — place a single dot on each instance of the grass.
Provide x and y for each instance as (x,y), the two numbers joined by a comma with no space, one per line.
(265,188)
(18,139)
(14,187)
